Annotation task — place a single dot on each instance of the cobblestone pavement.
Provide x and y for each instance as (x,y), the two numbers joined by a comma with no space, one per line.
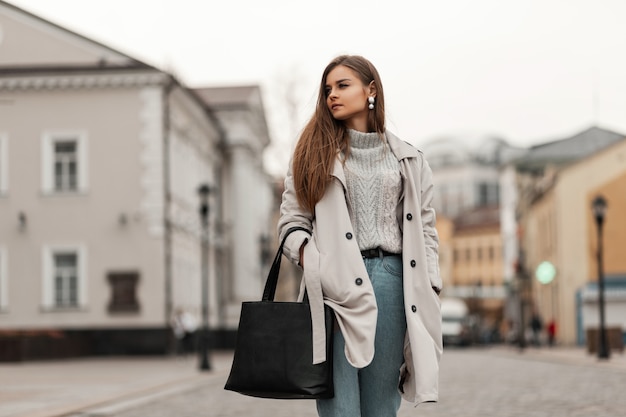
(473,383)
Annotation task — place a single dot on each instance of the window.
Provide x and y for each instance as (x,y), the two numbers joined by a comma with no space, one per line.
(488,193)
(4,164)
(64,277)
(123,292)
(64,160)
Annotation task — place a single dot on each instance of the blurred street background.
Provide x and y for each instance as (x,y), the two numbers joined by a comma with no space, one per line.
(143,148)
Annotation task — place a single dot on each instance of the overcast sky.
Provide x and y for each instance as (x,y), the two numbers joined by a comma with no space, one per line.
(524,70)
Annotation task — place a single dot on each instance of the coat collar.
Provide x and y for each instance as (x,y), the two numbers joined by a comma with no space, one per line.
(338,170)
(400,148)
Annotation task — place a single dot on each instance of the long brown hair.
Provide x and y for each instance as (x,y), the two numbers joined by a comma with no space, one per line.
(323,136)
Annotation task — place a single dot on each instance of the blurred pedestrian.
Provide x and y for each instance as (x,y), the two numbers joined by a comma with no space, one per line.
(551,328)
(365,196)
(184,326)
(536,325)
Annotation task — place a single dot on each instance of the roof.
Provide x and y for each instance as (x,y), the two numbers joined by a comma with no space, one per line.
(480,217)
(568,150)
(126,60)
(228,97)
(244,98)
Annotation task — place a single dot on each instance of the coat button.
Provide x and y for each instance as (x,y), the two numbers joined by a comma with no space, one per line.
(409,216)
(349,235)
(413,308)
(413,263)
(358,281)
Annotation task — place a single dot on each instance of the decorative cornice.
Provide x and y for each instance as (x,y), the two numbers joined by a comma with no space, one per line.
(80,81)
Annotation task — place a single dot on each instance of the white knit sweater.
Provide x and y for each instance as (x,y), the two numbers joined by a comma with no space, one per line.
(374,186)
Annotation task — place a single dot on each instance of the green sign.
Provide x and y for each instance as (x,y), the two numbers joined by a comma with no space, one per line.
(545,272)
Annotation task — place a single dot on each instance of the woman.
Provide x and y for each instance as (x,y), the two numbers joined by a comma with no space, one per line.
(372,249)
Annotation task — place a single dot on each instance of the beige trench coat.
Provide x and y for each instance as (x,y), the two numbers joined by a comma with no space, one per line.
(333,263)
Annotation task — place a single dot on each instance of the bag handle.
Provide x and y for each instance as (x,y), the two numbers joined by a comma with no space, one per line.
(272,278)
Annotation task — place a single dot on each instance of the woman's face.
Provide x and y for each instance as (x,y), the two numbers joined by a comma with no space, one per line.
(346,97)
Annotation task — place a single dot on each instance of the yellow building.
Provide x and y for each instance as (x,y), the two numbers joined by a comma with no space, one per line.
(559,228)
(477,262)
(470,261)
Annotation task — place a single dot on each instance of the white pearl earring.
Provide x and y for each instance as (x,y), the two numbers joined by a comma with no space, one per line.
(371,101)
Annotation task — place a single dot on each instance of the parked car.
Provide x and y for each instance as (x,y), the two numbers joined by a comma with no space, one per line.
(456,326)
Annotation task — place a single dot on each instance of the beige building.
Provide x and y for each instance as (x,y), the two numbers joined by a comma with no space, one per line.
(101,157)
(557,226)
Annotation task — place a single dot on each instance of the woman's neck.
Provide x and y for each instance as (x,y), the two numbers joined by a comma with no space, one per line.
(357,123)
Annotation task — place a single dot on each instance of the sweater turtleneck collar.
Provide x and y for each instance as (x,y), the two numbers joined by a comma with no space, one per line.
(362,140)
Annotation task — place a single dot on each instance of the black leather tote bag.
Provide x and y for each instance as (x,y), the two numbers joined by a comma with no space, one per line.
(274,349)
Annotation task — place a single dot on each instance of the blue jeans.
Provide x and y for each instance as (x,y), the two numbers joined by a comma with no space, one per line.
(373,390)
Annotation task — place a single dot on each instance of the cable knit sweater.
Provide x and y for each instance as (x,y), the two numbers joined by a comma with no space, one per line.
(374,187)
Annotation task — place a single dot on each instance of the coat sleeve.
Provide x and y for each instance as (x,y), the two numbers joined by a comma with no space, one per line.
(428,224)
(292,214)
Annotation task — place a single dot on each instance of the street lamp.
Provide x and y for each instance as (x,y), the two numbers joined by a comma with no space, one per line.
(203,191)
(522,283)
(264,249)
(599,206)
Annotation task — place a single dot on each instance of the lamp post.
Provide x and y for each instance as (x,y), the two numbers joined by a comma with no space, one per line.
(203,191)
(522,283)
(521,339)
(599,207)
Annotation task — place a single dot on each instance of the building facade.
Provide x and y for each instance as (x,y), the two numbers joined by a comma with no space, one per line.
(477,258)
(557,183)
(101,157)
(467,196)
(467,177)
(247,198)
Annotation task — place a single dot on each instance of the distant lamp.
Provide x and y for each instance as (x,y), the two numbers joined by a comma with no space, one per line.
(599,207)
(21,218)
(264,253)
(203,192)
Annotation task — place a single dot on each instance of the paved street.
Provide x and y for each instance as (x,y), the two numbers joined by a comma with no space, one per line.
(497,381)
(492,382)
